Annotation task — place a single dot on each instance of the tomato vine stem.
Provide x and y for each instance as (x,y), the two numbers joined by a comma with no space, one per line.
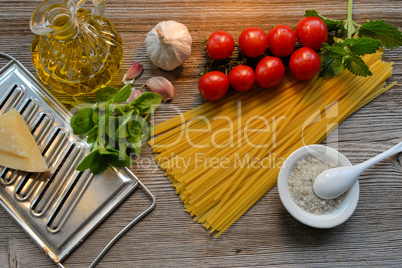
(349,22)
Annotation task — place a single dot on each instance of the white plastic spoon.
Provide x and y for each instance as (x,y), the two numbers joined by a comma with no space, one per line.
(333,182)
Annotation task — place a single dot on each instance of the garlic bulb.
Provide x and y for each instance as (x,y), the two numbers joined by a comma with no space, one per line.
(168,44)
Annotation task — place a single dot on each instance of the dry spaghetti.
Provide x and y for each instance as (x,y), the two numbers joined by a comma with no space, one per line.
(223,157)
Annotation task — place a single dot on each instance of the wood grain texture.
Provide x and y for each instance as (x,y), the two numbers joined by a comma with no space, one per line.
(266,235)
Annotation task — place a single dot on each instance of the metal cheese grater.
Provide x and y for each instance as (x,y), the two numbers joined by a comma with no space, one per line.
(59,208)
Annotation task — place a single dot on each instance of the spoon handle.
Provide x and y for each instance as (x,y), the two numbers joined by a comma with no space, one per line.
(394,150)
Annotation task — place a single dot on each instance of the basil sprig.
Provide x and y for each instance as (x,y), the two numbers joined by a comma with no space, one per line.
(113,128)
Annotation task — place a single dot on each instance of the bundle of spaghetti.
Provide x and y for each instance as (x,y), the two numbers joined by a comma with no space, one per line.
(223,157)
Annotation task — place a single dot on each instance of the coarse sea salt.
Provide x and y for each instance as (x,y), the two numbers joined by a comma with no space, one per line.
(301,183)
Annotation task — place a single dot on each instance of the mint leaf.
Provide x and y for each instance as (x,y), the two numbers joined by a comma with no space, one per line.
(332,25)
(331,67)
(357,66)
(346,55)
(362,46)
(335,51)
(388,34)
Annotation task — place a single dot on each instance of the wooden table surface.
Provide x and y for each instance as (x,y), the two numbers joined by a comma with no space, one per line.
(266,235)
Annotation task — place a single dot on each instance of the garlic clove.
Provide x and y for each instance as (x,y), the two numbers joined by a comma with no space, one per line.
(134,95)
(162,86)
(133,72)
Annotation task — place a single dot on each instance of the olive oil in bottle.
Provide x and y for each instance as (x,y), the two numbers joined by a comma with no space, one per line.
(75,51)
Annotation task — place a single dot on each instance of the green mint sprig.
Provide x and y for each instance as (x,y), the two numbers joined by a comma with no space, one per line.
(332,25)
(114,128)
(346,54)
(389,35)
(361,40)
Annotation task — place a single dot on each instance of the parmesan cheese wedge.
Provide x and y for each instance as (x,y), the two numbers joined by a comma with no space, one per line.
(18,149)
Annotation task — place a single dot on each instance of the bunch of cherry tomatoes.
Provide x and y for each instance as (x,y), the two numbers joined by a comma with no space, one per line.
(304,63)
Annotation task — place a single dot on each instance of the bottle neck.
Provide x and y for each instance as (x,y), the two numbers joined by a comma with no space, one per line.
(56,17)
(65,27)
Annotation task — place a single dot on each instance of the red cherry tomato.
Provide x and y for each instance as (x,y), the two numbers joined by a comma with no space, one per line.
(213,85)
(269,72)
(304,63)
(281,40)
(242,78)
(220,45)
(311,32)
(253,42)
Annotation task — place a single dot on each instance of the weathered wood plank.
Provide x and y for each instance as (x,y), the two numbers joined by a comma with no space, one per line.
(266,234)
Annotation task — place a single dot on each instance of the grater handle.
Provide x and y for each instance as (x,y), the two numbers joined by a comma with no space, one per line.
(128,226)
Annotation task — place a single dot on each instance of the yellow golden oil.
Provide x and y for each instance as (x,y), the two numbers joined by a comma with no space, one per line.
(80,58)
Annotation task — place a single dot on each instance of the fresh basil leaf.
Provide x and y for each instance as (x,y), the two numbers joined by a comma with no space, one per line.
(99,166)
(123,145)
(89,100)
(109,124)
(123,94)
(147,102)
(89,160)
(106,93)
(106,107)
(103,150)
(135,145)
(121,131)
(72,120)
(147,118)
(82,121)
(388,34)
(111,127)
(119,162)
(120,109)
(135,110)
(95,116)
(127,117)
(102,125)
(147,130)
(115,157)
(134,128)
(92,135)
